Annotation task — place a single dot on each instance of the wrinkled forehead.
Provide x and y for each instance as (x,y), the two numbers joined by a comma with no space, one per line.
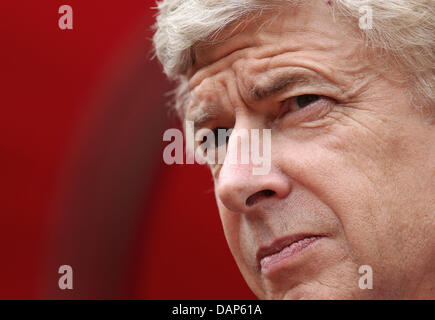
(234,37)
(257,46)
(237,35)
(267,27)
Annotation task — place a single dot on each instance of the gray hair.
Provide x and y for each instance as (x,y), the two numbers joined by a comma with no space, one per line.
(404,29)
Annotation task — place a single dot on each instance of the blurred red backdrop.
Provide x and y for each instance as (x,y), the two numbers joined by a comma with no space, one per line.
(82,181)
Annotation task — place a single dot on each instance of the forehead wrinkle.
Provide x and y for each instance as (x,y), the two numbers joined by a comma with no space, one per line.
(239,35)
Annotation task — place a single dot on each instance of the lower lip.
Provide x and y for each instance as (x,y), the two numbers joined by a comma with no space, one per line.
(272,262)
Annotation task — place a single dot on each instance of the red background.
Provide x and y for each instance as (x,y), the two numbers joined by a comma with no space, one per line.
(82,181)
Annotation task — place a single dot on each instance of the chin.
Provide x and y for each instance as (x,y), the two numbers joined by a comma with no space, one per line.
(321,292)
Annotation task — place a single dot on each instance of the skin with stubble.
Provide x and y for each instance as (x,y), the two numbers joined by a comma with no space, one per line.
(352,179)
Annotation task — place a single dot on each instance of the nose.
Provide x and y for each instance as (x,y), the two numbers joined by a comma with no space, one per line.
(242,191)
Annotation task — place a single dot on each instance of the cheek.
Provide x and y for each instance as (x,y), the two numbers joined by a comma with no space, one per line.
(231,225)
(343,176)
(366,180)
(238,236)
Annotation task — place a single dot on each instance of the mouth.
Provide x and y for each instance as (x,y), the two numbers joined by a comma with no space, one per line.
(283,250)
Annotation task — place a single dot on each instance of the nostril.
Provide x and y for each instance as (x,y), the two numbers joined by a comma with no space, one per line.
(253,199)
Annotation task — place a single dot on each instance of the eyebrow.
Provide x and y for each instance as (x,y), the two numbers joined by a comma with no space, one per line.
(202,115)
(277,85)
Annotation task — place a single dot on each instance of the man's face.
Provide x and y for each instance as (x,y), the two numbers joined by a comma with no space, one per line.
(352,177)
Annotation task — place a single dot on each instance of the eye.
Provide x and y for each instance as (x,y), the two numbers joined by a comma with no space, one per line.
(299,102)
(220,137)
(306,99)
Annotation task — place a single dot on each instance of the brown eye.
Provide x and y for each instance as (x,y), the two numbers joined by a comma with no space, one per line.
(306,99)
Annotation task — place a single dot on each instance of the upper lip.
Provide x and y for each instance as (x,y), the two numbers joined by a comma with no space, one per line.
(280,243)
